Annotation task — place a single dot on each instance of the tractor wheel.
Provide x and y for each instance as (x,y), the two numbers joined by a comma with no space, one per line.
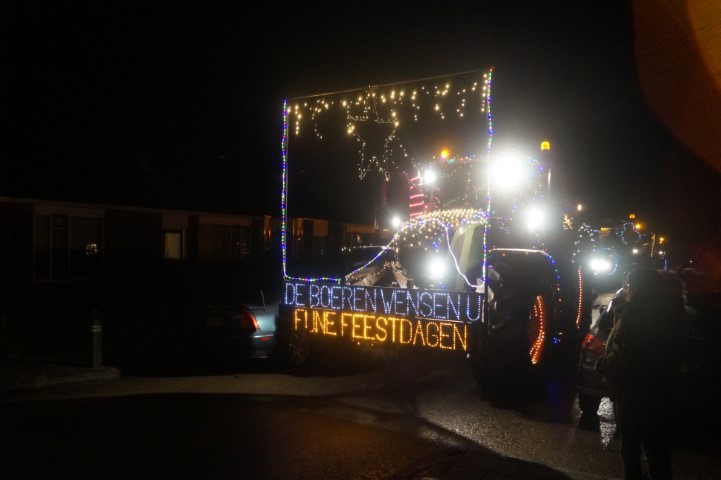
(298,348)
(516,354)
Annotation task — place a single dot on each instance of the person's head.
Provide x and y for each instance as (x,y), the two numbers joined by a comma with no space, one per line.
(673,286)
(643,283)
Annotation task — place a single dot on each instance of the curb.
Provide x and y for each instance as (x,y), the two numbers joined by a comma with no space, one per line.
(15,380)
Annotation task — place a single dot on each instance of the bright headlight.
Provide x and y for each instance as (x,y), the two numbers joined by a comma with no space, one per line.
(535,219)
(508,172)
(600,265)
(436,268)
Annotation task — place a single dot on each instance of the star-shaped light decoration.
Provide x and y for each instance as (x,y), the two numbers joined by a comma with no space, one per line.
(373,116)
(368,127)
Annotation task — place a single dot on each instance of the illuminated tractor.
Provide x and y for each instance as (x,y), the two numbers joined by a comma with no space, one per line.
(471,269)
(536,307)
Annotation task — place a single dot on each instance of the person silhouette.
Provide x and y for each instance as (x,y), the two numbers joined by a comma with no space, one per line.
(639,367)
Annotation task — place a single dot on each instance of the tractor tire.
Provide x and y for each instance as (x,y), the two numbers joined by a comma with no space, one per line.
(298,349)
(517,353)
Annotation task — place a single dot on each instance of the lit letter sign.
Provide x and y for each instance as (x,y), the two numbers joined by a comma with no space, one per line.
(423,318)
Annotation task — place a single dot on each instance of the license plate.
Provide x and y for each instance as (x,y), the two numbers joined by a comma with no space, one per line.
(214,321)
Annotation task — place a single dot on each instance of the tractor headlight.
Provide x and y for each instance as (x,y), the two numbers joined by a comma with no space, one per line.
(600,265)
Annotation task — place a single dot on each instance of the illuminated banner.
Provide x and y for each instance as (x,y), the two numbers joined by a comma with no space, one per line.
(428,318)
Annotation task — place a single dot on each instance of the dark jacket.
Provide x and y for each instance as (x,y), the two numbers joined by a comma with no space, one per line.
(641,361)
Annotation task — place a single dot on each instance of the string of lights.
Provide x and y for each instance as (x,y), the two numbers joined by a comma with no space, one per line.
(388,106)
(391,107)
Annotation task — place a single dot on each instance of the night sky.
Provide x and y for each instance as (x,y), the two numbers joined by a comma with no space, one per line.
(173,106)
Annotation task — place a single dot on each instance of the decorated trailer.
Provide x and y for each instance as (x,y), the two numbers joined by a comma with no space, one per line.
(456,261)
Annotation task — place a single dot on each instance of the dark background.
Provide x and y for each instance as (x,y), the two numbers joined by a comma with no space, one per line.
(179,106)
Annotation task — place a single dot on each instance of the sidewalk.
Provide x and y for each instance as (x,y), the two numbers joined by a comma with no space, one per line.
(20,375)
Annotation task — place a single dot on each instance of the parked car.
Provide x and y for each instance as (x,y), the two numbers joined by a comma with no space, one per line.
(248,328)
(591,389)
(245,328)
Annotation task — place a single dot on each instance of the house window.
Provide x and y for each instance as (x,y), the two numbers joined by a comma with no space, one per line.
(85,240)
(240,237)
(67,247)
(224,243)
(173,244)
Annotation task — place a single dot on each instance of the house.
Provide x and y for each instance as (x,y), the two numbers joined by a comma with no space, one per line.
(64,265)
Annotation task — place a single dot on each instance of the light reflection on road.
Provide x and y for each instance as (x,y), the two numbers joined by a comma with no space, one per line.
(607,424)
